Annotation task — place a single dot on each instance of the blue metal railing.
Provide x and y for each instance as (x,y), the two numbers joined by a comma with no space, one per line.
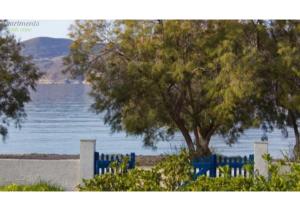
(102,162)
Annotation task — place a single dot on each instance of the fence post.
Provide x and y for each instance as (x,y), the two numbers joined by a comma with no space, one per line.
(213,170)
(87,159)
(261,165)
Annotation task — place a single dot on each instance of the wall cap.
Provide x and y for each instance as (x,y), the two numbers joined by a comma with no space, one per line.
(88,140)
(261,142)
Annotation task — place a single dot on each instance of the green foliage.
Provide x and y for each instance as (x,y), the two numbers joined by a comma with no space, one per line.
(42,186)
(17,76)
(204,183)
(278,180)
(134,180)
(199,77)
(175,174)
(156,77)
(175,171)
(277,77)
(168,175)
(283,176)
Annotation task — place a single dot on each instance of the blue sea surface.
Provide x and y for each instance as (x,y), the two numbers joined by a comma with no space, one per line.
(59,116)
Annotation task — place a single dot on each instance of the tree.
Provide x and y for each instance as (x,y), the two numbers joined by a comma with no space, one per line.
(154,78)
(17,76)
(280,87)
(286,35)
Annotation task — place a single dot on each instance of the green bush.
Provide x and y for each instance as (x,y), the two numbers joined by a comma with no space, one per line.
(174,173)
(35,187)
(277,181)
(134,180)
(168,175)
(204,183)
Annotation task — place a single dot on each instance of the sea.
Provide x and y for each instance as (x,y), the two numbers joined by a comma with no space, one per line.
(59,116)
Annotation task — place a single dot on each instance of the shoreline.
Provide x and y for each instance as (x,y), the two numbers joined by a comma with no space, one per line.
(141,160)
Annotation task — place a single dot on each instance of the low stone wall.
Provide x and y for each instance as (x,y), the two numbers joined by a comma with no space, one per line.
(68,172)
(64,173)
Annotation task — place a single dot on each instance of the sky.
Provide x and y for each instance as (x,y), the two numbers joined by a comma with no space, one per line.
(27,29)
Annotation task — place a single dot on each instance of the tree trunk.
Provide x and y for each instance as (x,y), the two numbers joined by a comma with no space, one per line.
(202,144)
(188,139)
(203,150)
(297,135)
(200,147)
(297,146)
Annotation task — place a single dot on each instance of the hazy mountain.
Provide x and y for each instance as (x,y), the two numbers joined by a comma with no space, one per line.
(46,47)
(48,55)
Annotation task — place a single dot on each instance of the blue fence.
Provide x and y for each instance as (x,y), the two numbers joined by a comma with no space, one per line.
(202,166)
(102,162)
(210,165)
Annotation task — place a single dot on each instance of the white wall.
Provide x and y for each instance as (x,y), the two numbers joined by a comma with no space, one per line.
(64,173)
(87,157)
(70,172)
(260,164)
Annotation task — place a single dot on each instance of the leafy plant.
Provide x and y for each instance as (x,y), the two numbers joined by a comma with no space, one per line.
(204,183)
(42,186)
(176,170)
(175,174)
(18,75)
(168,175)
(134,180)
(156,77)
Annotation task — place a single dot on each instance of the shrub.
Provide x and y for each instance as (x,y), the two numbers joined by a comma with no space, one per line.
(134,180)
(168,175)
(42,186)
(277,181)
(174,173)
(204,183)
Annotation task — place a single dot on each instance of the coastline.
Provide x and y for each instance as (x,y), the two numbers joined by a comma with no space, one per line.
(141,160)
(67,81)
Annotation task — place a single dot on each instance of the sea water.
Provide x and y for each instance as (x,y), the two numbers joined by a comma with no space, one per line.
(59,116)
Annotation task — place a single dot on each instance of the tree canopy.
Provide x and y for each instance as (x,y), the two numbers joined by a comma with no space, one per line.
(281,88)
(17,76)
(199,77)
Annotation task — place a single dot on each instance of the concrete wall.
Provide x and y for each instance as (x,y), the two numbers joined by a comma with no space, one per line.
(260,164)
(67,173)
(87,158)
(64,173)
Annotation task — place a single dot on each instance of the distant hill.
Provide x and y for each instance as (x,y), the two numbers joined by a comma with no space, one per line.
(46,47)
(48,55)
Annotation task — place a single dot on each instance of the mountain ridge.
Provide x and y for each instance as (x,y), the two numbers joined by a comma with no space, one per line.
(48,53)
